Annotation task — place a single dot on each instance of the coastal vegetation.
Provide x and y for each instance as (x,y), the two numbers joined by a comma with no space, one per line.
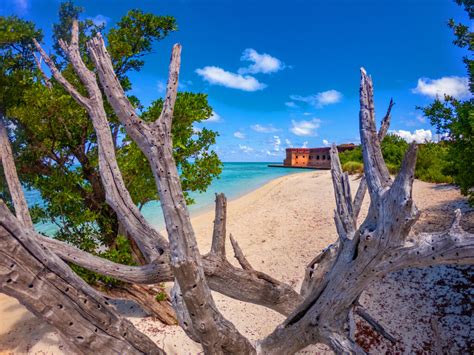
(454,118)
(433,164)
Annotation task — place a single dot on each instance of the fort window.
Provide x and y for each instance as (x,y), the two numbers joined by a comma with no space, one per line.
(317,157)
(324,157)
(310,157)
(296,157)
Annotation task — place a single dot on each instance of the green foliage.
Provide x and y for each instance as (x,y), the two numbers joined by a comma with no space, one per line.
(120,253)
(133,37)
(353,167)
(354,155)
(432,159)
(55,145)
(162,296)
(393,151)
(432,163)
(455,119)
(197,163)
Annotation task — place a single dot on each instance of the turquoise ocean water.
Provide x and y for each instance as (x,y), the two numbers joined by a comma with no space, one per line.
(236,180)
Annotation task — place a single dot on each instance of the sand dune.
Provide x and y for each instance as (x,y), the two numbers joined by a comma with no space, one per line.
(280,228)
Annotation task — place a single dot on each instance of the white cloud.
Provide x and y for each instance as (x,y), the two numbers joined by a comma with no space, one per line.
(305,128)
(326,143)
(197,130)
(219,76)
(100,20)
(239,135)
(215,117)
(270,153)
(320,99)
(245,148)
(263,129)
(276,143)
(328,97)
(288,142)
(291,104)
(161,87)
(262,63)
(419,136)
(455,86)
(305,144)
(421,119)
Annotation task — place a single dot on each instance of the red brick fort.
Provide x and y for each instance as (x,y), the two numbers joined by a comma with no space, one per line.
(317,158)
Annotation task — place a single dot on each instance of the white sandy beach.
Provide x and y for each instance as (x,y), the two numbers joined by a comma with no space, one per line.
(281,227)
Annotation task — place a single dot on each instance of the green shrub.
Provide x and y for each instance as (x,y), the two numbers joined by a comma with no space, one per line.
(353,167)
(354,155)
(393,169)
(433,161)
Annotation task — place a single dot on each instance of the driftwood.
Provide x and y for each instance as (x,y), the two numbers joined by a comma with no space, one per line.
(11,176)
(323,311)
(47,287)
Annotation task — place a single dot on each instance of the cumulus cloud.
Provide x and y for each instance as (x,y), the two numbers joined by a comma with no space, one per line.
(288,142)
(455,86)
(218,76)
(100,20)
(276,143)
(245,148)
(326,142)
(305,128)
(215,117)
(305,144)
(320,99)
(239,135)
(161,87)
(271,153)
(263,128)
(197,130)
(420,118)
(262,63)
(291,104)
(419,136)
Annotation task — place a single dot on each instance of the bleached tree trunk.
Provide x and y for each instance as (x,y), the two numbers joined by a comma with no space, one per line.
(48,288)
(11,175)
(379,246)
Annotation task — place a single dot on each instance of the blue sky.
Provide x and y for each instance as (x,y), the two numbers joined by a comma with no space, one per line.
(286,73)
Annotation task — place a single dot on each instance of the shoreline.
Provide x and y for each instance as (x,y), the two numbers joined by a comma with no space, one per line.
(198,211)
(280,227)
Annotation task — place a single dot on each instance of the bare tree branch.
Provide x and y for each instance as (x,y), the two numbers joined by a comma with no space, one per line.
(361,312)
(150,242)
(362,189)
(13,182)
(46,80)
(53,292)
(219,231)
(239,255)
(344,215)
(375,169)
(81,100)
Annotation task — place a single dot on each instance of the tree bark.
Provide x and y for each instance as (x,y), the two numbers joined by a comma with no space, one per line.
(13,182)
(54,293)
